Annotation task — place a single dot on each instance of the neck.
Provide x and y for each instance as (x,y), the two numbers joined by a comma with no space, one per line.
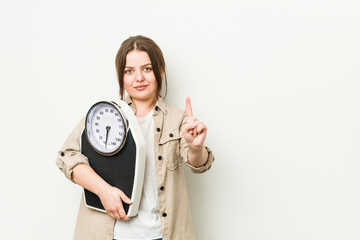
(143,107)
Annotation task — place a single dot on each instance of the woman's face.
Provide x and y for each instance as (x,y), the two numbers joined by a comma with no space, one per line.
(139,79)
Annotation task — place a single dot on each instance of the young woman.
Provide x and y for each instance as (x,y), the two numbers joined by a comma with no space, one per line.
(172,136)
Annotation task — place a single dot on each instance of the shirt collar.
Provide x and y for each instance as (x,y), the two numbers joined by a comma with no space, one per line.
(160,104)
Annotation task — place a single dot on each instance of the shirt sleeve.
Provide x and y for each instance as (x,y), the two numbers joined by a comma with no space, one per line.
(184,151)
(70,155)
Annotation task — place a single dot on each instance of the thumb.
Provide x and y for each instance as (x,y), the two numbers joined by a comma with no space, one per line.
(125,198)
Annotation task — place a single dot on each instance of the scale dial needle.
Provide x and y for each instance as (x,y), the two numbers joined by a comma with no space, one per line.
(107,134)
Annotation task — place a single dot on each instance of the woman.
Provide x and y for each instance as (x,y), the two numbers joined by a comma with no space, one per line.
(172,136)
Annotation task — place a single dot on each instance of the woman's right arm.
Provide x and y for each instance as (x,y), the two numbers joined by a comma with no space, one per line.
(110,196)
(76,167)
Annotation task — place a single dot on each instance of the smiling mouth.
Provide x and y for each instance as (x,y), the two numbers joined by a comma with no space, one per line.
(141,87)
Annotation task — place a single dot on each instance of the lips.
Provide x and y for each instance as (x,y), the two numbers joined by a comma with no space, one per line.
(140,87)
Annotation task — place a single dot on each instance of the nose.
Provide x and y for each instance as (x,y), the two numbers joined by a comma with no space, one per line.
(139,76)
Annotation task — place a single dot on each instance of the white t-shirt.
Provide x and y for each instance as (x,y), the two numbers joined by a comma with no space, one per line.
(146,225)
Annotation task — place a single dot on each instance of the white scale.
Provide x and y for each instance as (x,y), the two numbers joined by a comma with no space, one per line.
(115,146)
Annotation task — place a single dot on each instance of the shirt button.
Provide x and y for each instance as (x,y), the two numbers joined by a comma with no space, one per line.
(162,188)
(62,154)
(156,108)
(171,135)
(158,129)
(164,214)
(159,157)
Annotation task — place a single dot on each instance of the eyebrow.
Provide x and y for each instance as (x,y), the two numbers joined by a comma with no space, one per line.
(140,66)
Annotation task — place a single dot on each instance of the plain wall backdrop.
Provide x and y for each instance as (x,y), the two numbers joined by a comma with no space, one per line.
(276,82)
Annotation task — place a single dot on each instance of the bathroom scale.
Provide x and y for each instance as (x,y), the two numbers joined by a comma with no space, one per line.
(115,147)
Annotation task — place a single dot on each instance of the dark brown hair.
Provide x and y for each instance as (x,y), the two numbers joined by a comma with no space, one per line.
(141,43)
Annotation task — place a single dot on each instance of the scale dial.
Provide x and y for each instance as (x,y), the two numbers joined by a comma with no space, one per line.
(106,128)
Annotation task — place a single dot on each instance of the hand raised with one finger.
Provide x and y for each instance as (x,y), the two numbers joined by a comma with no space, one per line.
(194,131)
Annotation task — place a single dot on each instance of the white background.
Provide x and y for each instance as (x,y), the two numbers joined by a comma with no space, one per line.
(277,83)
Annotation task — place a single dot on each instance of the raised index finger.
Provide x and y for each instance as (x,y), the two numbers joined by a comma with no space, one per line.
(188,107)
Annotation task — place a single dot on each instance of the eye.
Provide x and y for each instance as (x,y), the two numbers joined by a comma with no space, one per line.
(148,69)
(128,71)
